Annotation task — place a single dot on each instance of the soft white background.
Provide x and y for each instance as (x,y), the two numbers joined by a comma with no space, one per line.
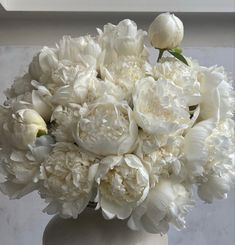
(121,5)
(22,222)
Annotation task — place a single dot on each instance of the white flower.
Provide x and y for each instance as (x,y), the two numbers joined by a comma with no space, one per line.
(77,91)
(123,184)
(195,148)
(161,158)
(83,50)
(167,203)
(124,57)
(166,31)
(217,186)
(22,168)
(106,127)
(23,127)
(183,76)
(66,119)
(159,107)
(209,150)
(217,95)
(56,73)
(86,88)
(59,66)
(68,176)
(125,71)
(215,163)
(123,39)
(39,99)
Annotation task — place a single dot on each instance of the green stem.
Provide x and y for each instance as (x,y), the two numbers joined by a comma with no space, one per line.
(161,51)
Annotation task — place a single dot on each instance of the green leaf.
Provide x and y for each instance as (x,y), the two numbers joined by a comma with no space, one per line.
(176,50)
(179,57)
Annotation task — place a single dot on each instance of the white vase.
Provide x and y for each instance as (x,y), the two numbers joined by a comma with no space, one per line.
(92,229)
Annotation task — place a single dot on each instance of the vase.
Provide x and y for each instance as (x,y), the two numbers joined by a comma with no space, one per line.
(92,229)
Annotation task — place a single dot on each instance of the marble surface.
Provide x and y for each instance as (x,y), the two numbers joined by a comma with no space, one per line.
(22,221)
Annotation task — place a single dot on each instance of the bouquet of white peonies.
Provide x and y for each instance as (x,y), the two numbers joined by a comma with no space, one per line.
(94,123)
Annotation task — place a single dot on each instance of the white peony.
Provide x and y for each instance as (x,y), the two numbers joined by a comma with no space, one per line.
(167,203)
(41,101)
(183,76)
(22,168)
(123,184)
(83,51)
(161,158)
(22,127)
(217,95)
(38,99)
(107,127)
(124,72)
(55,73)
(166,31)
(86,87)
(59,66)
(68,176)
(210,158)
(209,150)
(122,39)
(124,57)
(159,107)
(65,119)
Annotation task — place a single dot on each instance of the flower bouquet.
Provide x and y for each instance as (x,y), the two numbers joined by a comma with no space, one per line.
(94,124)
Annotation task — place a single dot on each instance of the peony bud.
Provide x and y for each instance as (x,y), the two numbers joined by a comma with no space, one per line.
(24,127)
(166,31)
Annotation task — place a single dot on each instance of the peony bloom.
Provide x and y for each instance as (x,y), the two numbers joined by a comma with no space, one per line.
(86,88)
(22,168)
(124,57)
(106,127)
(78,90)
(166,31)
(123,184)
(23,127)
(159,107)
(83,51)
(161,158)
(68,176)
(167,203)
(59,66)
(123,39)
(217,95)
(124,72)
(209,150)
(65,119)
(183,76)
(39,99)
